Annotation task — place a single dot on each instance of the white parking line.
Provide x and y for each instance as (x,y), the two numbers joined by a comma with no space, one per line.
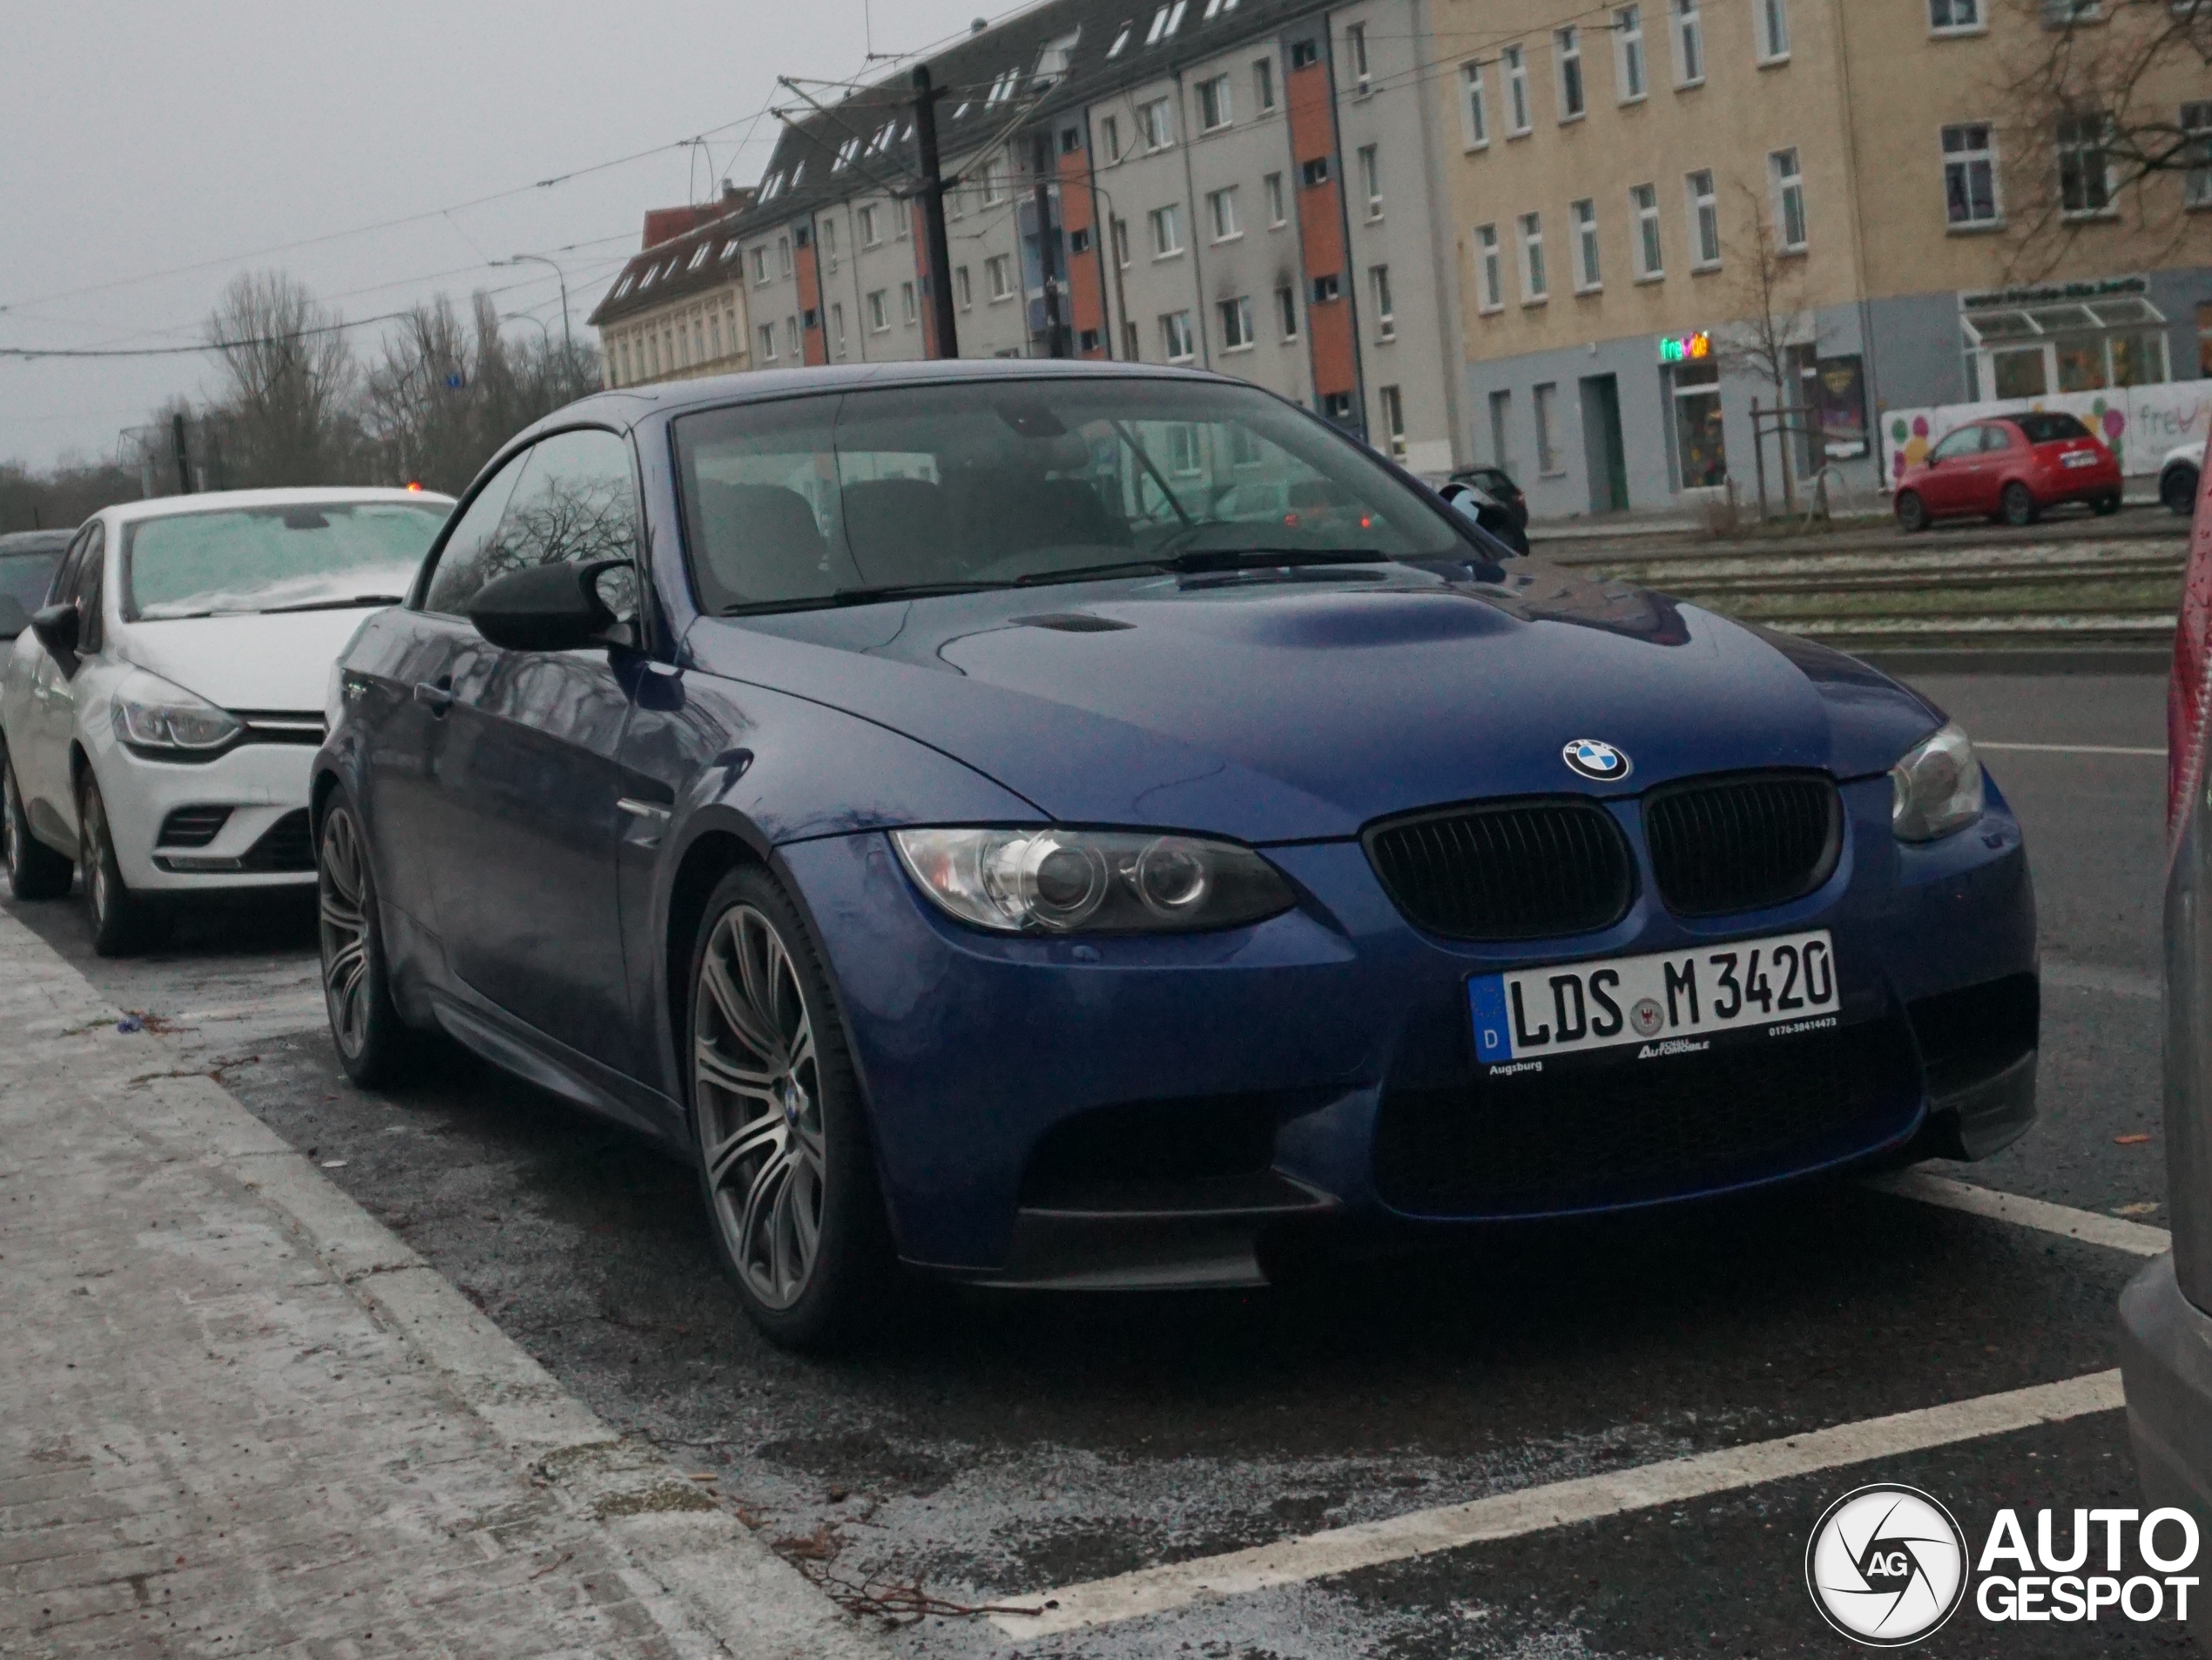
(1156,1591)
(2070,749)
(2135,1237)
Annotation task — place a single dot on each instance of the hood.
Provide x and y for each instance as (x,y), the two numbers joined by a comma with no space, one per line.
(1288,705)
(269,664)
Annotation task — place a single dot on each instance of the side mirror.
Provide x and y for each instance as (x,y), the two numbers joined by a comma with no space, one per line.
(13,619)
(1487,514)
(57,628)
(548,608)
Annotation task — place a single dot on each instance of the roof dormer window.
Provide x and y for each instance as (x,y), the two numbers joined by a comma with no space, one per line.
(1121,40)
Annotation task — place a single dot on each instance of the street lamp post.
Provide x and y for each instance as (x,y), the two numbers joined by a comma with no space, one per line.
(524,317)
(568,338)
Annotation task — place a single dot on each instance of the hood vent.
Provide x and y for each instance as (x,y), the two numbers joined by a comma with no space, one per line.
(1074,623)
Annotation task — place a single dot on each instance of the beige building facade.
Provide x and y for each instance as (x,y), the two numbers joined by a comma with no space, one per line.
(1661,208)
(679,309)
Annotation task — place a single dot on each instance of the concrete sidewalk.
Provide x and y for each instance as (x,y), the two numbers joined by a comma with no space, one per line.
(238,1417)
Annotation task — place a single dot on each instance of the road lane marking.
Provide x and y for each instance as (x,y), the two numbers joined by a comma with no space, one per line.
(2070,749)
(2087,976)
(1343,1550)
(2088,1226)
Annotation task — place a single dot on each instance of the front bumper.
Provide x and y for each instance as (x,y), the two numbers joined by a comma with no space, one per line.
(1151,1111)
(263,841)
(2166,1365)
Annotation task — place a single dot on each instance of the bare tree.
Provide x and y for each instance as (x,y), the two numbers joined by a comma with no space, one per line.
(285,415)
(2111,99)
(1774,328)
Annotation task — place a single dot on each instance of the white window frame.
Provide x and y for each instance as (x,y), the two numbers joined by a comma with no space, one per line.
(1771,27)
(963,288)
(1474,107)
(1215,109)
(1647,237)
(767,333)
(1286,311)
(1590,269)
(1385,305)
(1535,277)
(1237,324)
(2196,181)
(2105,208)
(998,277)
(837,326)
(909,305)
(1686,28)
(1490,270)
(1962,164)
(1631,68)
(1391,402)
(1166,225)
(1355,53)
(1371,178)
(1521,117)
(879,302)
(1569,86)
(1786,174)
(1221,214)
(1155,118)
(1957,17)
(1177,332)
(1702,191)
(1264,83)
(1110,138)
(1278,211)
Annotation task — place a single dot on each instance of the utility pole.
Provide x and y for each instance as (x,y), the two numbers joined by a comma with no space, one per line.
(933,213)
(1056,342)
(183,465)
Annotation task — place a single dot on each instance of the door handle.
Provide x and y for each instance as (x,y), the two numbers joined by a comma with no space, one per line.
(436,696)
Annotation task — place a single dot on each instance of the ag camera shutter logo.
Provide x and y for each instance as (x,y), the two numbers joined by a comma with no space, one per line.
(1886,1566)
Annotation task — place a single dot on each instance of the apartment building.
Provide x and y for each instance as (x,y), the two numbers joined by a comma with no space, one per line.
(1653,200)
(678,310)
(1240,185)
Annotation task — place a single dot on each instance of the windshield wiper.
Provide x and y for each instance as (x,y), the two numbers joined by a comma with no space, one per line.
(325,606)
(1212,560)
(858,597)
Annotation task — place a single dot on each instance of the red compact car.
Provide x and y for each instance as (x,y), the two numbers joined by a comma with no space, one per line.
(2010,468)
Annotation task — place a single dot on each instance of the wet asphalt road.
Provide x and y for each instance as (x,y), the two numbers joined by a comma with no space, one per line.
(993,1445)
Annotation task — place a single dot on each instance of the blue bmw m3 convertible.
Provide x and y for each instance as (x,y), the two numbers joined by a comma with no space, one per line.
(1075,826)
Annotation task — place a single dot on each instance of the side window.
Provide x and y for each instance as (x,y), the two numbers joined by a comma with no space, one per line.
(575,504)
(63,583)
(1965,441)
(87,588)
(1996,438)
(460,570)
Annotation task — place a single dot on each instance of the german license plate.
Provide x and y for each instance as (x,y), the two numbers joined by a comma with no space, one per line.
(1668,1004)
(2080,458)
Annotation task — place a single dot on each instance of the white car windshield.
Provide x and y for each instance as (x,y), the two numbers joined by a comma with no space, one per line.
(302,556)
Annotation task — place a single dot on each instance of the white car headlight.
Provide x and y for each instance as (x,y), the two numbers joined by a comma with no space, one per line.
(1936,788)
(1090,881)
(152,716)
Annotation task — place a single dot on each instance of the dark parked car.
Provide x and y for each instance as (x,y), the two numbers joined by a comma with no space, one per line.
(1496,483)
(2012,469)
(1487,512)
(905,791)
(2166,1314)
(28,560)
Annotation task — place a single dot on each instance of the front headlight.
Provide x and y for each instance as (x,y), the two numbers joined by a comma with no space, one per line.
(1090,881)
(1936,788)
(152,715)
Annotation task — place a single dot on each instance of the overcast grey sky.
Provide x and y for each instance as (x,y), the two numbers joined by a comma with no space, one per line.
(137,139)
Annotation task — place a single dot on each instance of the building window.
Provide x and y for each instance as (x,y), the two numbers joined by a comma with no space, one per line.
(1491,266)
(998,275)
(1326,289)
(760,257)
(1586,270)
(783,256)
(1969,176)
(902,223)
(1701,447)
(2085,168)
(1221,214)
(714,338)
(1089,341)
(1278,214)
(1157,121)
(1689,43)
(1355,51)
(908,312)
(1789,182)
(1475,108)
(1167,231)
(1628,53)
(1118,229)
(1955,16)
(837,327)
(1305,54)
(1337,406)
(1264,83)
(1213,104)
(880,311)
(1534,286)
(993,181)
(1132,346)
(1371,176)
(1385,313)
(1393,420)
(1546,435)
(1772,18)
(1315,173)
(1110,138)
(767,346)
(963,290)
(1286,311)
(1705,215)
(2196,183)
(1567,60)
(1501,432)
(1515,59)
(1236,324)
(1175,336)
(1651,259)
(791,336)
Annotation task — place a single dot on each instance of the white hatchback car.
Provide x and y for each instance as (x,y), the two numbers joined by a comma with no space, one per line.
(158,719)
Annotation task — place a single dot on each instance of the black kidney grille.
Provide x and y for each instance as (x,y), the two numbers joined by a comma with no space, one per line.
(288,845)
(192,827)
(1636,1131)
(1526,870)
(1742,844)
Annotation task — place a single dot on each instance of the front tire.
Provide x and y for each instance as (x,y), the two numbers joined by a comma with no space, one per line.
(121,921)
(2106,506)
(785,1166)
(2016,506)
(1912,512)
(2178,490)
(35,871)
(374,1045)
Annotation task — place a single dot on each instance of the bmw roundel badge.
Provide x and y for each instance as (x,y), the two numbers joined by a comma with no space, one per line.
(1599,762)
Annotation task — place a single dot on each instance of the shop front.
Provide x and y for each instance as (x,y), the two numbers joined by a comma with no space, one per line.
(2062,337)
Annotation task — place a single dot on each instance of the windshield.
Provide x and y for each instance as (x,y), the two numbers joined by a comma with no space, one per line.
(25,577)
(843,497)
(242,560)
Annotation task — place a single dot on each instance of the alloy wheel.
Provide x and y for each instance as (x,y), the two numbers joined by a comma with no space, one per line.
(757,1088)
(10,807)
(92,820)
(345,931)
